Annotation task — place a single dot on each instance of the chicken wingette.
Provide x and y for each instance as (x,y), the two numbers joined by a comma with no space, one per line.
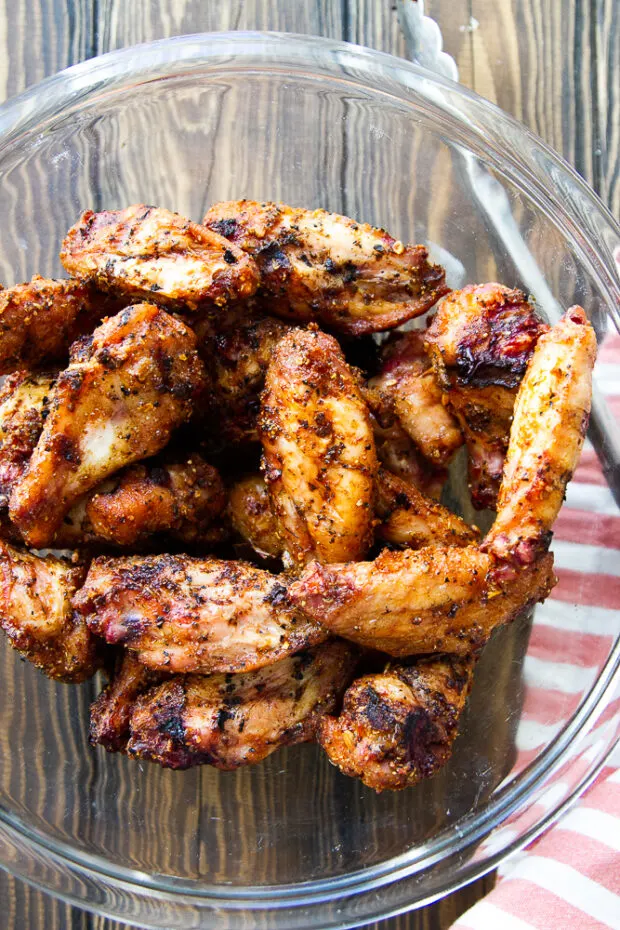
(233,720)
(436,599)
(397,727)
(550,423)
(183,614)
(111,712)
(147,253)
(249,506)
(320,267)
(319,453)
(480,342)
(127,388)
(40,320)
(37,616)
(408,378)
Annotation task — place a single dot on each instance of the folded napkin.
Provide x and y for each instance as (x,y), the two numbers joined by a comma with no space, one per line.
(569,878)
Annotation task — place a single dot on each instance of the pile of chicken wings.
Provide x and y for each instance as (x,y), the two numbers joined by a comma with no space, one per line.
(220,485)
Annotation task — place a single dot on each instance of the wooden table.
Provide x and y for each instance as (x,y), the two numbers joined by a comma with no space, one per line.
(552,63)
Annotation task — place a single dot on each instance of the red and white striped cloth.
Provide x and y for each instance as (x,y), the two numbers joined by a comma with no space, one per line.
(569,878)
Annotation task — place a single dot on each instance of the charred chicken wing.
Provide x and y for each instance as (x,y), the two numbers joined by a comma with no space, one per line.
(183,614)
(125,391)
(233,720)
(37,616)
(407,376)
(398,727)
(550,422)
(24,404)
(319,452)
(437,599)
(39,320)
(111,712)
(480,342)
(148,253)
(322,267)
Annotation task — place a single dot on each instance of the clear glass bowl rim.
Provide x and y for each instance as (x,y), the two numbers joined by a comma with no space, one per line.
(83,83)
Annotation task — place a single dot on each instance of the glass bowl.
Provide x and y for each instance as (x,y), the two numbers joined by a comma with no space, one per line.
(292,843)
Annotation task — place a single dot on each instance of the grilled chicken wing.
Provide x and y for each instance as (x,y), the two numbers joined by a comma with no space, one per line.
(180,499)
(411,520)
(480,342)
(550,422)
(119,400)
(407,376)
(322,267)
(111,712)
(319,452)
(37,616)
(233,720)
(396,450)
(24,403)
(185,614)
(437,599)
(40,319)
(152,254)
(250,511)
(237,357)
(398,727)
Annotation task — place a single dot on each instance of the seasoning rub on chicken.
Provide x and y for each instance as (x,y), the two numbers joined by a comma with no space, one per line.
(322,267)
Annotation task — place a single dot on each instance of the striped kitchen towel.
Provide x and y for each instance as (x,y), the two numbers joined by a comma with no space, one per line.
(569,878)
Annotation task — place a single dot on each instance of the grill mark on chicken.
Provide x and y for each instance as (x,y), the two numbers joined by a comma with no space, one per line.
(320,267)
(148,253)
(232,720)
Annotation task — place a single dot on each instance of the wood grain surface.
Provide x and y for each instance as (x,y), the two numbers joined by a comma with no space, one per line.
(554,65)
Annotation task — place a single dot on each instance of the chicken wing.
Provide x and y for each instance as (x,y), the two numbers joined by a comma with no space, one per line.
(37,616)
(322,267)
(24,404)
(181,499)
(250,511)
(111,712)
(119,400)
(480,342)
(411,520)
(152,254)
(237,357)
(397,451)
(437,599)
(319,452)
(407,376)
(398,727)
(39,320)
(233,720)
(183,614)
(550,422)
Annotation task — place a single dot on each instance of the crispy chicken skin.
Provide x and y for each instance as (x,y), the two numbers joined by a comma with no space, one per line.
(249,506)
(411,520)
(319,453)
(37,616)
(24,402)
(321,267)
(437,599)
(398,727)
(40,319)
(111,712)
(480,342)
(233,720)
(181,499)
(127,388)
(237,357)
(396,450)
(183,614)
(407,376)
(550,422)
(148,253)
